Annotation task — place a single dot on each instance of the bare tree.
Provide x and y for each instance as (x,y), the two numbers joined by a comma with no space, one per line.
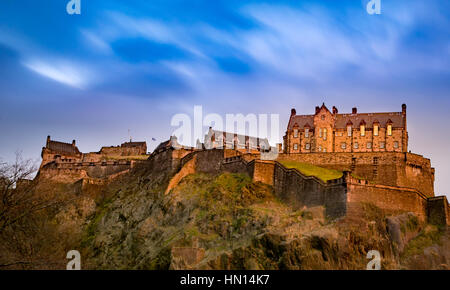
(26,232)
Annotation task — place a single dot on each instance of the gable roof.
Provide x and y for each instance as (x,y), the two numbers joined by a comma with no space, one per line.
(369,119)
(301,121)
(62,147)
(342,120)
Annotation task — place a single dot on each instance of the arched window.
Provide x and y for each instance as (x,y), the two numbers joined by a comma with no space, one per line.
(349,131)
(324,133)
(362,128)
(306,132)
(295,133)
(375,129)
(389,130)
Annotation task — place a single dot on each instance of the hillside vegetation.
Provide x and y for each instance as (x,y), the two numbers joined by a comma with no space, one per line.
(206,221)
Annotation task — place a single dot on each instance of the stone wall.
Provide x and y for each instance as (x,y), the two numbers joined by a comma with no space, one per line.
(387,168)
(390,198)
(438,211)
(263,171)
(299,190)
(72,172)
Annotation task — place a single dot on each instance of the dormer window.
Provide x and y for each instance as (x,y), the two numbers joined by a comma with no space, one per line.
(362,128)
(389,130)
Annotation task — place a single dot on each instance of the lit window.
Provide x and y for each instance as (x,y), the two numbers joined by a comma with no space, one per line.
(375,130)
(363,130)
(296,146)
(355,145)
(308,146)
(369,145)
(306,132)
(325,134)
(343,145)
(396,144)
(389,130)
(381,145)
(320,133)
(295,133)
(349,131)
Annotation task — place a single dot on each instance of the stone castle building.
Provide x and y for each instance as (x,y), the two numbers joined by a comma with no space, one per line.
(63,162)
(328,131)
(370,150)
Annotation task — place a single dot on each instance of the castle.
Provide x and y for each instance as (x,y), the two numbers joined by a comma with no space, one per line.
(368,152)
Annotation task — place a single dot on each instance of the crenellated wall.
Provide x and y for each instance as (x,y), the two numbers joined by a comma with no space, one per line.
(386,168)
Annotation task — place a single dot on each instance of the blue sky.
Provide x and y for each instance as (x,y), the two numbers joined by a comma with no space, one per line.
(134,64)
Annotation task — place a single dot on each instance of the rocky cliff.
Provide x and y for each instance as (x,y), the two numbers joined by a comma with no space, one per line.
(227,221)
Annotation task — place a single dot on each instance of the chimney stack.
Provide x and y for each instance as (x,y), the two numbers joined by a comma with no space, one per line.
(335,110)
(404,109)
(354,110)
(48,140)
(293,112)
(317,109)
(73,143)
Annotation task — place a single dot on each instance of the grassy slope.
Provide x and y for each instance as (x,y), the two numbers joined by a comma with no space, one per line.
(324,174)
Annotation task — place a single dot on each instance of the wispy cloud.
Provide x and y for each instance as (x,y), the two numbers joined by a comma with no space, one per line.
(61,71)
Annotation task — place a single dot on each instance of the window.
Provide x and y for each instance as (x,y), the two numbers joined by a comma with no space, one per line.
(375,130)
(324,133)
(369,145)
(306,132)
(396,144)
(363,130)
(349,131)
(307,146)
(355,145)
(295,146)
(381,145)
(389,130)
(320,133)
(322,117)
(320,148)
(343,145)
(324,149)
(295,133)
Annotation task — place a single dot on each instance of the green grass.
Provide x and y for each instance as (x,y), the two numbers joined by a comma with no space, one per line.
(324,174)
